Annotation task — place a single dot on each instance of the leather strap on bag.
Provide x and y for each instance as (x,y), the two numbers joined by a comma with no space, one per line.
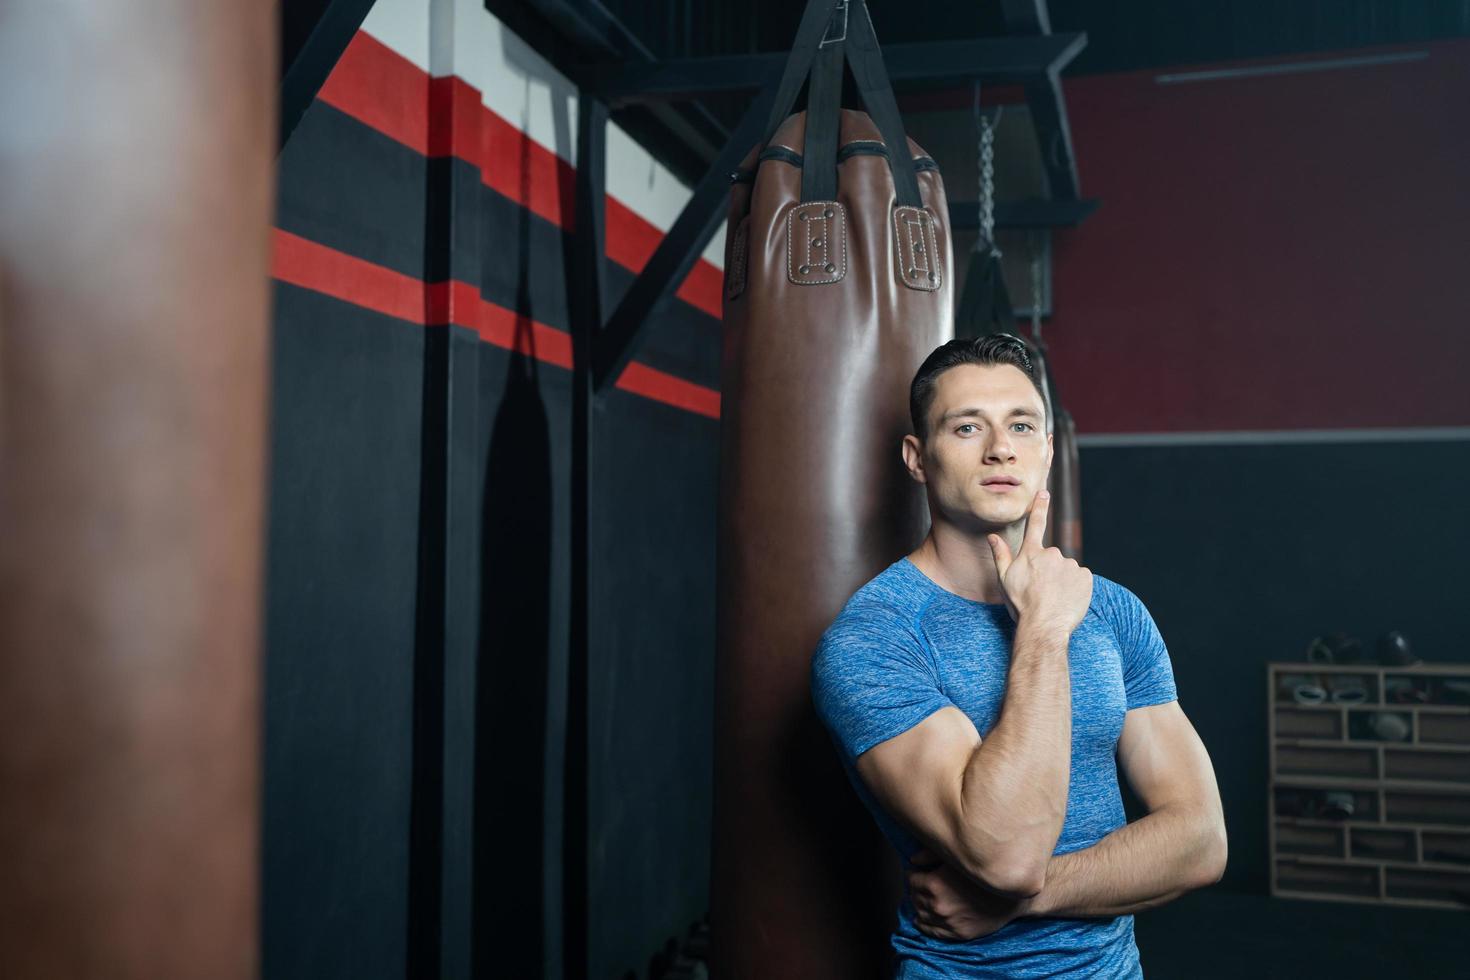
(831,32)
(877,95)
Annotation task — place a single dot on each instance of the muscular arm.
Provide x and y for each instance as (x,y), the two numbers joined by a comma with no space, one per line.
(1179,846)
(994,809)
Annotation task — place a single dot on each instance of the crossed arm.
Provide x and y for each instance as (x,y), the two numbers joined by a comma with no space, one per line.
(1178,846)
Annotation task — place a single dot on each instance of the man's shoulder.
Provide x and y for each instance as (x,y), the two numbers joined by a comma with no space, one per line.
(873,642)
(881,614)
(889,598)
(1111,599)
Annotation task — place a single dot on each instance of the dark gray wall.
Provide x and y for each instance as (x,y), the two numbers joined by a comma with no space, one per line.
(418,597)
(1245,553)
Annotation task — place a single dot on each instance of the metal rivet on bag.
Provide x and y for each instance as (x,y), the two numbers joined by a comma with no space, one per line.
(913,273)
(816,243)
(831,268)
(805,269)
(827,213)
(802,216)
(931,277)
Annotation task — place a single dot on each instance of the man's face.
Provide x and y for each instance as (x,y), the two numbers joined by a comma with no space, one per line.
(987,453)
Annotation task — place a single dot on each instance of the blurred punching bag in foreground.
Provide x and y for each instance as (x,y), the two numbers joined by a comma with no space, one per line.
(136,154)
(837,287)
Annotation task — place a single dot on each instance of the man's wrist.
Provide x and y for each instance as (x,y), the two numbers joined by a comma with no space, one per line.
(1043,631)
(1041,904)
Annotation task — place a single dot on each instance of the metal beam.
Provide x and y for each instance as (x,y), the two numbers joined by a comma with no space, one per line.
(993,60)
(304,70)
(1026,16)
(1044,98)
(585,295)
(677,252)
(1032,213)
(1053,135)
(574,34)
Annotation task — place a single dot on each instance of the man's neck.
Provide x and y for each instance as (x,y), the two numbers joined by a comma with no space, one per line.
(962,562)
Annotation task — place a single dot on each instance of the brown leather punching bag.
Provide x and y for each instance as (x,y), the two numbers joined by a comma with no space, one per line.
(137,145)
(837,287)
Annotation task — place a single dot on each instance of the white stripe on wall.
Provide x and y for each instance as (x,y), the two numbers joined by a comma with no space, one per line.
(522,87)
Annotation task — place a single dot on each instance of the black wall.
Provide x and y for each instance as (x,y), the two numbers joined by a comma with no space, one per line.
(418,605)
(1245,553)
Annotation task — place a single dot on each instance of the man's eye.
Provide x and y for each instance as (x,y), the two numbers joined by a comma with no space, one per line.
(1025,426)
(961,429)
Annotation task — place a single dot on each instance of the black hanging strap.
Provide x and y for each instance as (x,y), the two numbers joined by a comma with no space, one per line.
(823,123)
(809,34)
(831,32)
(877,93)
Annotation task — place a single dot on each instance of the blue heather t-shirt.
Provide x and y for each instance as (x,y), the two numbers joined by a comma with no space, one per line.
(902,649)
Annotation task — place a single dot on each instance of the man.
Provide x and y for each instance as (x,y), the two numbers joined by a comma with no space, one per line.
(1020,861)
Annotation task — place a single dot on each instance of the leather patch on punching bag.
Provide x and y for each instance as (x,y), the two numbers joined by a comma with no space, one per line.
(919,265)
(737,261)
(816,243)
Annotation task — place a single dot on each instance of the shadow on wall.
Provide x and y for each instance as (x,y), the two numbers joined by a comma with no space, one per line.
(511,685)
(512,671)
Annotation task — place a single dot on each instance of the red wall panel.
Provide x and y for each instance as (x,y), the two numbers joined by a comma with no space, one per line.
(1278,252)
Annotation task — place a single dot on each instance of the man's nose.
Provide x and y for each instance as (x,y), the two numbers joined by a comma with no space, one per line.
(999,448)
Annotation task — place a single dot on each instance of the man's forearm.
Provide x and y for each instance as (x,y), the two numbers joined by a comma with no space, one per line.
(1014,791)
(1148,862)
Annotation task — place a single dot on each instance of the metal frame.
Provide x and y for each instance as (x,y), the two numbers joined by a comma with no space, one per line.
(1029,18)
(993,60)
(577,34)
(1031,213)
(304,71)
(1007,59)
(585,306)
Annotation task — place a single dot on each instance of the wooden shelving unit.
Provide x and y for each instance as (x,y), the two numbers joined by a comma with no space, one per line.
(1369,791)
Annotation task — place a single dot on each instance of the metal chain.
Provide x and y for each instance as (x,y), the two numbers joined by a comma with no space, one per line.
(986,168)
(1035,286)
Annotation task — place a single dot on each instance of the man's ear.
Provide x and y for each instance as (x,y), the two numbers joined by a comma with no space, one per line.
(913,458)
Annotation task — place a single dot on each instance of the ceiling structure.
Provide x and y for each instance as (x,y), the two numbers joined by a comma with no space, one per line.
(1124,34)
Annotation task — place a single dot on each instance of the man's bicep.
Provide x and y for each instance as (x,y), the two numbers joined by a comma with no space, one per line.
(1163,759)
(917,777)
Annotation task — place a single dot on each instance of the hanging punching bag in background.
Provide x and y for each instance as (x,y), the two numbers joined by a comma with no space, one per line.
(985,308)
(1064,525)
(837,287)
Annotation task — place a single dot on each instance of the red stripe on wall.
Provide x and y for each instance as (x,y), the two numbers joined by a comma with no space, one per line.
(305,263)
(380,88)
(341,276)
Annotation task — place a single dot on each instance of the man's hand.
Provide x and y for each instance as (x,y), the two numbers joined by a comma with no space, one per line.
(1042,586)
(951,907)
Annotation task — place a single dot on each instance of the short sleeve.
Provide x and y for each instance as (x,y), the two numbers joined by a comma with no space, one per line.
(1148,674)
(872,679)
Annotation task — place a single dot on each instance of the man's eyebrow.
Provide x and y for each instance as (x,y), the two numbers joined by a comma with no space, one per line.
(960,413)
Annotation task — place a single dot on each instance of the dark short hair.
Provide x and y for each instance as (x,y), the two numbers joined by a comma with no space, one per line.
(995,348)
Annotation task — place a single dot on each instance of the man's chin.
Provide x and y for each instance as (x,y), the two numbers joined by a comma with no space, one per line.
(994,516)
